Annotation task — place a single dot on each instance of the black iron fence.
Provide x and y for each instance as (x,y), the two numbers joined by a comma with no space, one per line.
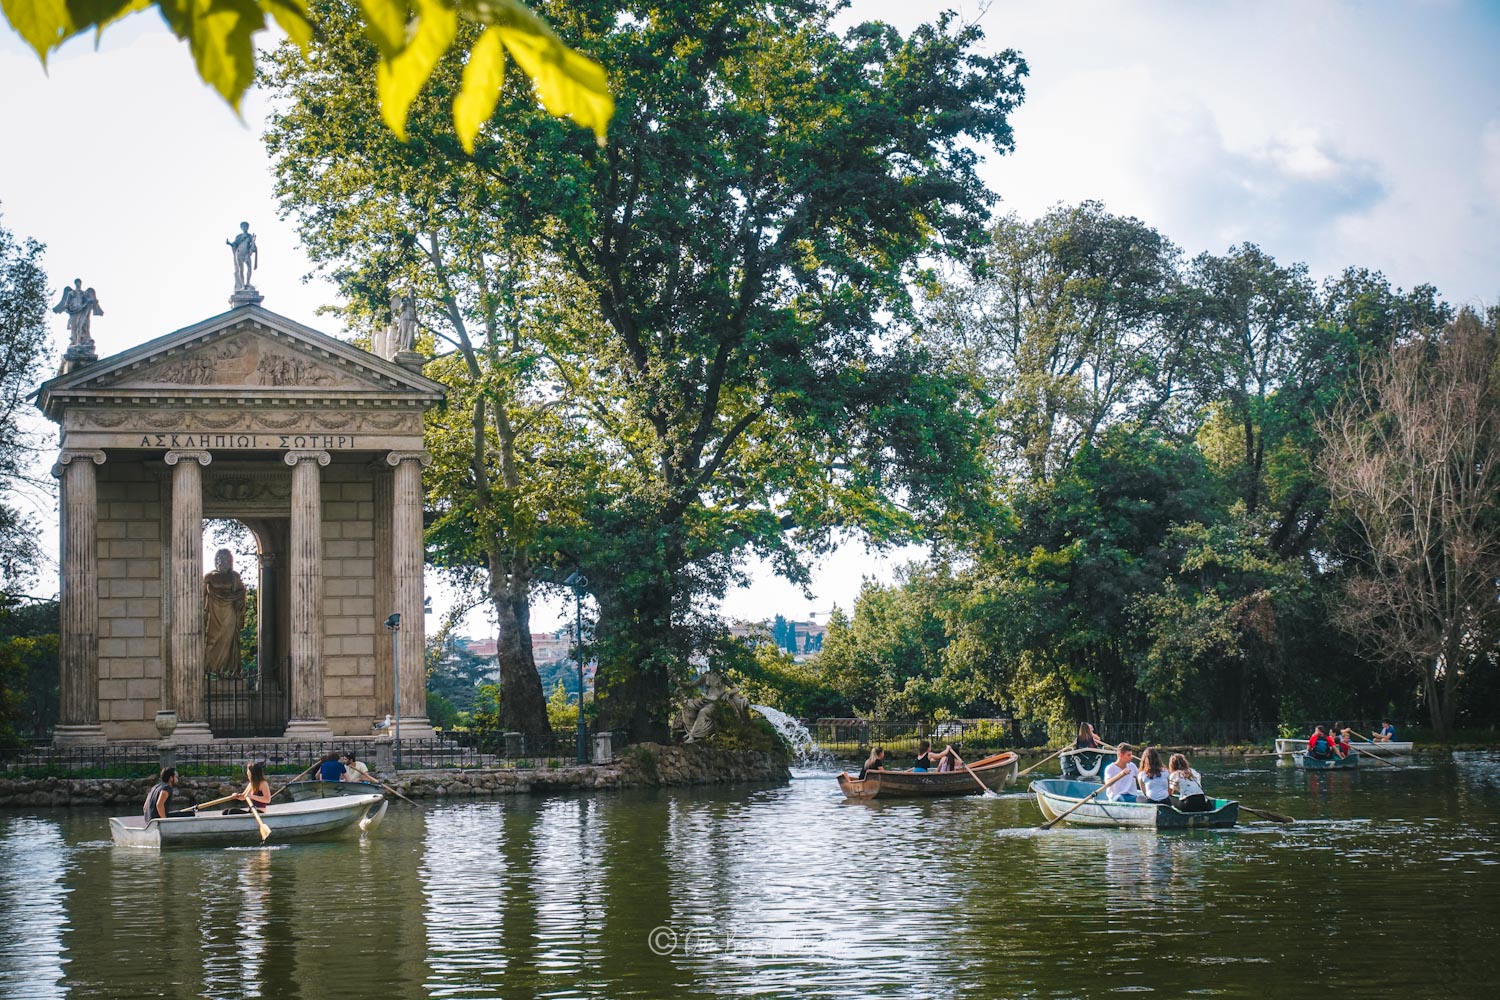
(248,706)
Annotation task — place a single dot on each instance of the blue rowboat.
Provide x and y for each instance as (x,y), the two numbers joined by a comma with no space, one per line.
(1334,763)
(1056,796)
(301,791)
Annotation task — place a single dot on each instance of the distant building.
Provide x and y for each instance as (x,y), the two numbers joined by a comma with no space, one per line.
(800,638)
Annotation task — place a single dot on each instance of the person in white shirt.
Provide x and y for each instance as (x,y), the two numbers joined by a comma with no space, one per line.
(354,770)
(1153,778)
(1124,789)
(1187,785)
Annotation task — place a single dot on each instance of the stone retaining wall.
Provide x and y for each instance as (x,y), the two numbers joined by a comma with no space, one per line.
(645,766)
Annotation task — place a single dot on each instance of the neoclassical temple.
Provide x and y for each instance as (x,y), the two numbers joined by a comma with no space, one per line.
(315,446)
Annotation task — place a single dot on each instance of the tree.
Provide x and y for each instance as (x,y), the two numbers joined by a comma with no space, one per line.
(1414,459)
(457,672)
(716,298)
(412,36)
(23,353)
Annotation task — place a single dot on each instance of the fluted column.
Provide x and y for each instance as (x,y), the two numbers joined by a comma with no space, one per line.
(384,597)
(407,551)
(78,643)
(306,572)
(186,554)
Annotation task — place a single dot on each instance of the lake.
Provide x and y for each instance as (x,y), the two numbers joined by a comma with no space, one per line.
(1388,885)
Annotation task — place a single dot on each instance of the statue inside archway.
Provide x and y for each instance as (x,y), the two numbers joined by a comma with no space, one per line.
(223,617)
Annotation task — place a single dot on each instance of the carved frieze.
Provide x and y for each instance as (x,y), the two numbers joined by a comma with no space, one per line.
(251,420)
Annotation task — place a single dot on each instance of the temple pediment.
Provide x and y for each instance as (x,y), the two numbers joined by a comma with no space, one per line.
(247,355)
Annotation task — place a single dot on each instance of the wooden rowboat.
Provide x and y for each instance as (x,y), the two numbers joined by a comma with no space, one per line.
(1287,747)
(1056,796)
(996,772)
(1334,763)
(301,791)
(1084,765)
(314,819)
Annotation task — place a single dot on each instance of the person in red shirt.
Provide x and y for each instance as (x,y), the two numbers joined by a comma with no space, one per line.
(1319,744)
(1341,739)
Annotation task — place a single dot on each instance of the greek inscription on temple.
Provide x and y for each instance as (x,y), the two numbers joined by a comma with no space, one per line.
(267,442)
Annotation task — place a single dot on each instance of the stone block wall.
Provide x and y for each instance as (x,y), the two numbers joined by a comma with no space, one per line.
(131,575)
(351,622)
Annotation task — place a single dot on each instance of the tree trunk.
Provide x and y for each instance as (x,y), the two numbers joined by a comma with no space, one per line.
(633,684)
(523,704)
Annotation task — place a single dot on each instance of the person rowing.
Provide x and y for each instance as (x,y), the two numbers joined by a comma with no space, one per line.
(929,761)
(1087,738)
(257,790)
(1320,744)
(1387,733)
(158,803)
(1124,764)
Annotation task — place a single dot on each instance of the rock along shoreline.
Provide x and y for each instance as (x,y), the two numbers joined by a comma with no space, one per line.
(645,765)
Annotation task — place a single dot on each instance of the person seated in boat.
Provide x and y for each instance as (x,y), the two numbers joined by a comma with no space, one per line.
(257,790)
(929,761)
(159,800)
(1087,738)
(876,762)
(353,769)
(1387,733)
(1340,734)
(1320,744)
(1186,784)
(949,759)
(332,769)
(1153,778)
(1120,777)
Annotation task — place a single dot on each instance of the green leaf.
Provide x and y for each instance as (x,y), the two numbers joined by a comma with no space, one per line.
(42,23)
(385,23)
(294,19)
(484,74)
(400,78)
(569,84)
(219,33)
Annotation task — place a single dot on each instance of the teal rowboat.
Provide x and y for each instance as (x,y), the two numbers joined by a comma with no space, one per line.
(1335,763)
(301,791)
(1056,796)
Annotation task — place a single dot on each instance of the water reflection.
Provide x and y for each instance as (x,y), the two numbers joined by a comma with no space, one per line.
(783,891)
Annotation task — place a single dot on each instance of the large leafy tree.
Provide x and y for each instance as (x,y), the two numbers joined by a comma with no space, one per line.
(716,297)
(23,352)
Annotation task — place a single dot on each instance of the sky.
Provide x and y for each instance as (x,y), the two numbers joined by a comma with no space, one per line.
(1333,133)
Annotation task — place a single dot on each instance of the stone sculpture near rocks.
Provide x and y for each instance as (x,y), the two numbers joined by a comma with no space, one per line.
(696,717)
(223,617)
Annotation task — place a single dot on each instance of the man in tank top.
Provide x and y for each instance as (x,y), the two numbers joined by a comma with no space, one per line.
(159,800)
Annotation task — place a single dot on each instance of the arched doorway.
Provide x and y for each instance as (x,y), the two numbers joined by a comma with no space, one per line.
(251,697)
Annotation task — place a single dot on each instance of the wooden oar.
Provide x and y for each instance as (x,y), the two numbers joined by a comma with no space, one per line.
(1274,753)
(976,777)
(1039,763)
(1058,819)
(295,780)
(1371,753)
(265,831)
(1266,814)
(398,795)
(214,802)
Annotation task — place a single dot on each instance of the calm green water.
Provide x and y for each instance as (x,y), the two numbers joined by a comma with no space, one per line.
(1389,886)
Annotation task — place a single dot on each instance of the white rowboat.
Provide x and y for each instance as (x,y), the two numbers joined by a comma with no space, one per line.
(1056,796)
(313,819)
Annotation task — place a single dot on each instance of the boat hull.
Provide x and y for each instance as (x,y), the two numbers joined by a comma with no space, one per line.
(308,820)
(1311,763)
(996,772)
(1056,796)
(301,791)
(1287,747)
(1083,765)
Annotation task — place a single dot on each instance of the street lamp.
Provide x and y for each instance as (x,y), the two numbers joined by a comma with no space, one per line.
(394,624)
(580,584)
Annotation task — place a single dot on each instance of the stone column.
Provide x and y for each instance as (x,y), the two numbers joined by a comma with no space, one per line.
(407,551)
(384,597)
(78,690)
(265,617)
(306,574)
(186,555)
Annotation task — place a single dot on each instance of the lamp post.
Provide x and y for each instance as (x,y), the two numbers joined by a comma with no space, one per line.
(579,583)
(394,624)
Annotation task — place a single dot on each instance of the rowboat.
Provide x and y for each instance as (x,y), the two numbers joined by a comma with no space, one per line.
(1081,765)
(313,788)
(313,819)
(1335,763)
(1056,796)
(1287,747)
(996,772)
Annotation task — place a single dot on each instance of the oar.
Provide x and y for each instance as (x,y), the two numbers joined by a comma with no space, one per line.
(976,777)
(294,780)
(1265,814)
(1058,819)
(1371,753)
(398,795)
(215,802)
(1274,753)
(1039,763)
(265,831)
